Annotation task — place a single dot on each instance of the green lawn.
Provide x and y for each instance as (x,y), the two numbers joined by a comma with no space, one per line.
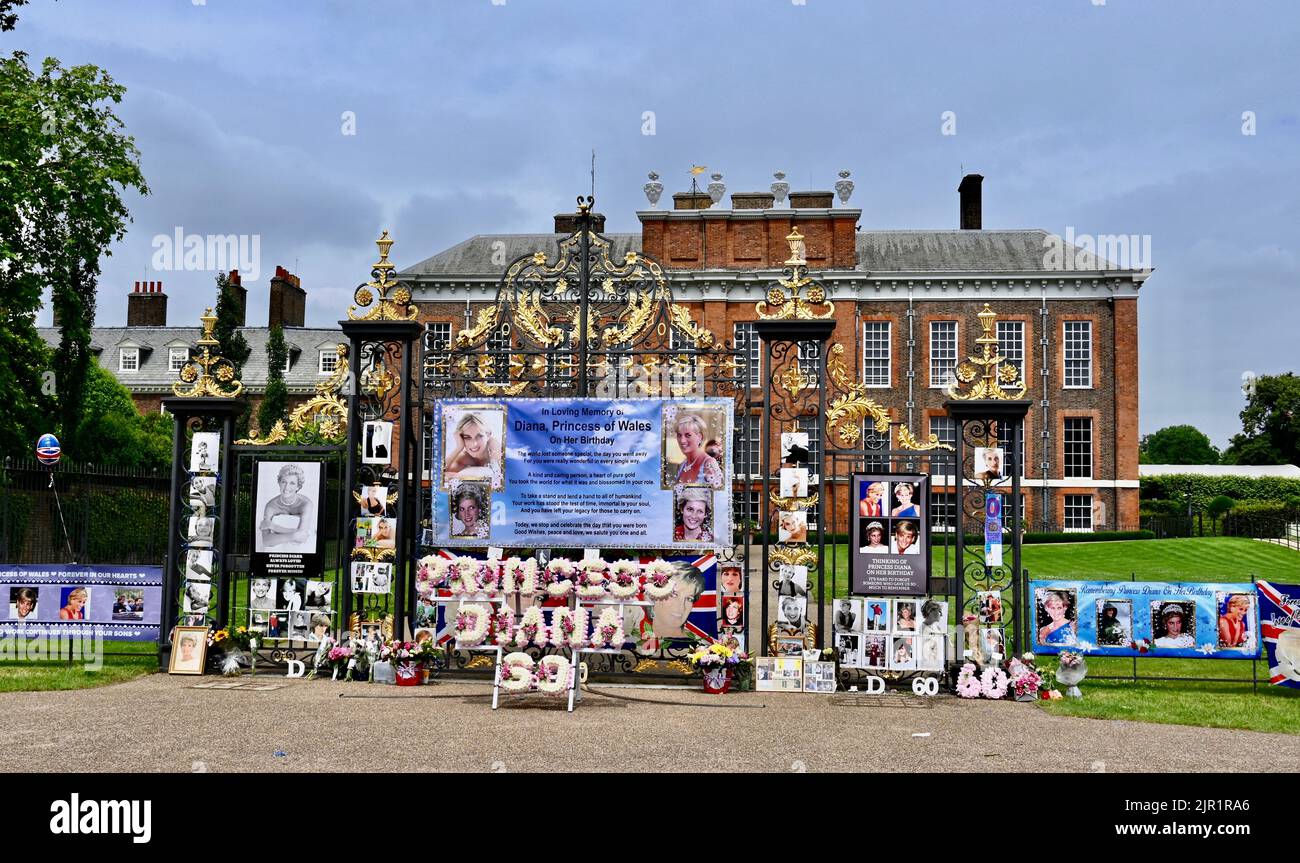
(29,676)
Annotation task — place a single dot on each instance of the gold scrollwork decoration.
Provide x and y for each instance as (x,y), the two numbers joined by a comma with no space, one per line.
(786,301)
(374,555)
(679,666)
(908,442)
(208,373)
(986,374)
(776,631)
(845,413)
(383,298)
(645,665)
(794,555)
(792,503)
(277,434)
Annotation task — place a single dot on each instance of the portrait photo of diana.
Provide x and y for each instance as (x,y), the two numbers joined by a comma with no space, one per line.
(471,510)
(693,514)
(286,502)
(473,440)
(694,445)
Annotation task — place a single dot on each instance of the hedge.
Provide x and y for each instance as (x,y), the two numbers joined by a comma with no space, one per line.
(1171,490)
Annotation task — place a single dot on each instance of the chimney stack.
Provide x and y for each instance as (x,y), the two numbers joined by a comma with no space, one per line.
(567,223)
(972,204)
(146,306)
(241,295)
(288,300)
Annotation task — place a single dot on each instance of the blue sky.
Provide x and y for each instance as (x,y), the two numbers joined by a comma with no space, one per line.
(475,117)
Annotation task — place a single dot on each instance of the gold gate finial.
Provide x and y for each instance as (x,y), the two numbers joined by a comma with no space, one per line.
(986,374)
(393,300)
(207,373)
(785,301)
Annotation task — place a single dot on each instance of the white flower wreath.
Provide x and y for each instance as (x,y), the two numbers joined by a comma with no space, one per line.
(503,622)
(593,580)
(531,628)
(659,581)
(517,672)
(464,576)
(608,631)
(553,673)
(569,627)
(625,579)
(471,624)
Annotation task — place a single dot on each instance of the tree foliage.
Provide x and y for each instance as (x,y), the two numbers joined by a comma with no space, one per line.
(233,345)
(111,431)
(1270,423)
(1178,445)
(275,402)
(65,164)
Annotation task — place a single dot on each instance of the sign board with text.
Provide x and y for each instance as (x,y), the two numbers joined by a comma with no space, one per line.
(122,603)
(586,473)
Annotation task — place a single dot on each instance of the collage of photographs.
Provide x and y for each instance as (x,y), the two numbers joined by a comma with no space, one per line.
(200,525)
(731,606)
(290,608)
(890,633)
(694,456)
(794,479)
(890,517)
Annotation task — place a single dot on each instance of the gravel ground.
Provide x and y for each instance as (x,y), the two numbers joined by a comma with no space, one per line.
(162,723)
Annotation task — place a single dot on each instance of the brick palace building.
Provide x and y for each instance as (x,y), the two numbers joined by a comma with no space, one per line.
(905,310)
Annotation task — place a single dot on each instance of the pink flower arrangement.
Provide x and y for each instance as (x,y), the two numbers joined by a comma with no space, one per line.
(968,685)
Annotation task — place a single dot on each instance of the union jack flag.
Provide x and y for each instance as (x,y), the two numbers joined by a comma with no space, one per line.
(1279,612)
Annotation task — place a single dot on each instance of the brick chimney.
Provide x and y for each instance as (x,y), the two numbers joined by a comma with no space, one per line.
(567,223)
(972,203)
(241,294)
(288,300)
(146,306)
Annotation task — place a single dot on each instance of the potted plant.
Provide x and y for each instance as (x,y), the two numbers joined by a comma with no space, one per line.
(717,664)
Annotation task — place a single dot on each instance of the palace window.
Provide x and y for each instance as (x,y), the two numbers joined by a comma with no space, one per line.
(943,351)
(748,343)
(945,428)
(876,371)
(128,360)
(176,358)
(1078,447)
(1078,513)
(1011,343)
(329,361)
(745,446)
(1078,354)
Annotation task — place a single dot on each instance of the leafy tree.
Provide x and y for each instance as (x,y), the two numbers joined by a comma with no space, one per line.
(1178,445)
(112,432)
(275,402)
(9,18)
(64,165)
(234,347)
(1270,423)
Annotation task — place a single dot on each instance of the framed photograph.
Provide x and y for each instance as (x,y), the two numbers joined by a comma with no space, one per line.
(203,493)
(205,452)
(1236,613)
(792,610)
(849,647)
(989,603)
(819,677)
(876,614)
(847,616)
(875,652)
(794,482)
(1055,614)
(373,500)
(989,463)
(794,449)
(792,526)
(470,510)
(376,442)
(934,617)
(473,445)
(890,547)
(778,674)
(789,645)
(1173,623)
(1114,622)
(993,642)
(696,445)
(792,580)
(286,508)
(23,602)
(907,616)
(733,639)
(199,531)
(199,565)
(731,611)
(692,513)
(189,650)
(371,629)
(930,655)
(261,594)
(902,653)
(731,579)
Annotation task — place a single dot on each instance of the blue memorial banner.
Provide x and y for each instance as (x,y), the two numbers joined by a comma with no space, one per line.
(600,473)
(1279,619)
(1146,618)
(992,529)
(120,603)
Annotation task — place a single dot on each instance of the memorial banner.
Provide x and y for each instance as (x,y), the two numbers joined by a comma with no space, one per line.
(606,473)
(1279,619)
(992,529)
(287,541)
(1146,618)
(891,529)
(120,603)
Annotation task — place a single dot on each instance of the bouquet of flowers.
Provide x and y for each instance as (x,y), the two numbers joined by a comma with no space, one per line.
(398,652)
(428,654)
(716,655)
